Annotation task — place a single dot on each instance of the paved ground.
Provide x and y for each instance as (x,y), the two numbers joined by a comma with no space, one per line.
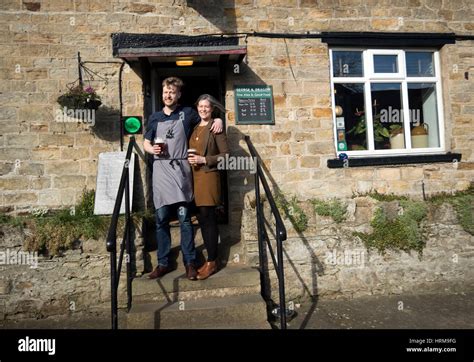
(79,321)
(440,311)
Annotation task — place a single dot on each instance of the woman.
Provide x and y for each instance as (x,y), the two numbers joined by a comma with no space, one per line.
(209,148)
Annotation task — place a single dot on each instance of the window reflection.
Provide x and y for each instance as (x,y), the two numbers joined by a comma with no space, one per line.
(350,123)
(347,64)
(387,113)
(423,115)
(419,64)
(385,64)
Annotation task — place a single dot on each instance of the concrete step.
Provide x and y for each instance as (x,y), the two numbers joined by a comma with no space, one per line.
(231,312)
(174,286)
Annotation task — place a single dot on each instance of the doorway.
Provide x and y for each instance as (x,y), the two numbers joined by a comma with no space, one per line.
(199,79)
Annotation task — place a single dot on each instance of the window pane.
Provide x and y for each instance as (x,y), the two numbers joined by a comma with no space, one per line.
(347,64)
(423,115)
(385,64)
(419,64)
(350,117)
(387,112)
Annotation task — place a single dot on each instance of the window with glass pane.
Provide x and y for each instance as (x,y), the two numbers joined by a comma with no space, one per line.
(350,116)
(387,115)
(423,115)
(385,64)
(347,64)
(402,88)
(419,64)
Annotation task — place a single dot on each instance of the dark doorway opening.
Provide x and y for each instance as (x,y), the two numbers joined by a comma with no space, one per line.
(197,81)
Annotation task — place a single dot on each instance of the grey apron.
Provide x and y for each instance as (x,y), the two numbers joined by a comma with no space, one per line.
(172,176)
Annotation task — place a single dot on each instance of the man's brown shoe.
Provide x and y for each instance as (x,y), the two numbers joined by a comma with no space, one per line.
(191,272)
(159,271)
(209,268)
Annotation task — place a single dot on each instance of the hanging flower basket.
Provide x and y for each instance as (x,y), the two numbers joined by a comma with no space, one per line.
(93,104)
(80,98)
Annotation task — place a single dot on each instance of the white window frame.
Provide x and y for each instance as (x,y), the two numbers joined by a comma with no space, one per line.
(369,60)
(400,77)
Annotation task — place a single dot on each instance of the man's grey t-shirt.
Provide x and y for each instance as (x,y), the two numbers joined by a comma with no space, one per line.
(172,176)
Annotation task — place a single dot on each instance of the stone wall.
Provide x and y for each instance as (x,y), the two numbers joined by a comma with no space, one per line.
(326,260)
(76,282)
(47,163)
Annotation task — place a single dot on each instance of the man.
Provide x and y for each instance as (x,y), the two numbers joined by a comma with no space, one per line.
(172,176)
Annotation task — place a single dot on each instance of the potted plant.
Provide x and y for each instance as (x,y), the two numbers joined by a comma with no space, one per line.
(381,133)
(397,139)
(80,98)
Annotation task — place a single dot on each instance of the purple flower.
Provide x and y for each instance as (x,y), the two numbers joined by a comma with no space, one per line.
(89,90)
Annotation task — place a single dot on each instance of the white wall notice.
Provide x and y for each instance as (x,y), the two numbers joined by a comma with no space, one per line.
(108,181)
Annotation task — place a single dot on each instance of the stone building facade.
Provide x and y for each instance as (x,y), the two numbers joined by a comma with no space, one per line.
(47,161)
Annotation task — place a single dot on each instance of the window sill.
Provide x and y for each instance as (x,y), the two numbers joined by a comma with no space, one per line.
(393,160)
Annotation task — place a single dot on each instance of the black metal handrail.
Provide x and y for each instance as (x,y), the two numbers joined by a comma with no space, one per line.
(280,234)
(124,188)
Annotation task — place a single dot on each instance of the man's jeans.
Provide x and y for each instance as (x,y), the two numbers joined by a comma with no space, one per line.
(163,233)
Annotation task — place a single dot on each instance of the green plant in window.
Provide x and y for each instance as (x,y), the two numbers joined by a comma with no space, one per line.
(395,129)
(381,133)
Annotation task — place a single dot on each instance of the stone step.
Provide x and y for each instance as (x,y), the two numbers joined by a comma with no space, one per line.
(231,312)
(228,253)
(174,286)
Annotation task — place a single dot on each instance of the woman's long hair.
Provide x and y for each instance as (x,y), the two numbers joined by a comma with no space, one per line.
(217,107)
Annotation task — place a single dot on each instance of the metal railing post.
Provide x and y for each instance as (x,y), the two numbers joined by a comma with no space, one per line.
(111,244)
(263,236)
(281,284)
(128,240)
(113,290)
(258,209)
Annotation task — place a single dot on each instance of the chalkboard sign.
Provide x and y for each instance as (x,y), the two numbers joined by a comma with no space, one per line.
(254,104)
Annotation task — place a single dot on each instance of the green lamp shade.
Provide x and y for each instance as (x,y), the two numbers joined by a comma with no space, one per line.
(132,125)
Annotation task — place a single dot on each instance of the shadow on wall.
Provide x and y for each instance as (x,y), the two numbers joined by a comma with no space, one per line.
(219,13)
(317,268)
(223,15)
(242,183)
(107,119)
(107,124)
